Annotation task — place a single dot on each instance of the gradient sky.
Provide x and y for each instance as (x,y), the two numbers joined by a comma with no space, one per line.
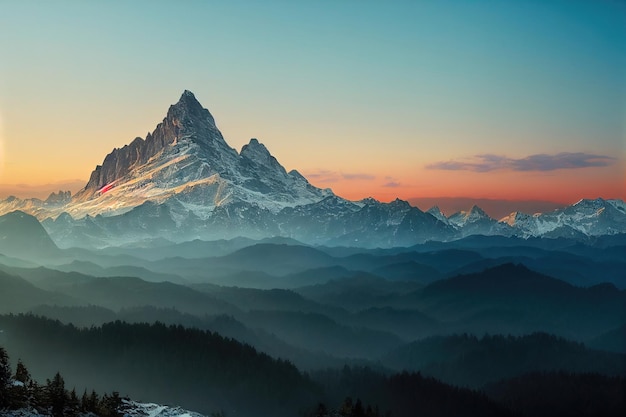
(515,100)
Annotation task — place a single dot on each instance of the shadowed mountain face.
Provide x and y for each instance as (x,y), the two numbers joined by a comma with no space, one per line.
(19,296)
(23,236)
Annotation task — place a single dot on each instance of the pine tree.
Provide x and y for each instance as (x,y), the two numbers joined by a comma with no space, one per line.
(94,400)
(38,397)
(110,405)
(21,373)
(89,402)
(358,410)
(5,378)
(73,404)
(346,408)
(57,396)
(20,395)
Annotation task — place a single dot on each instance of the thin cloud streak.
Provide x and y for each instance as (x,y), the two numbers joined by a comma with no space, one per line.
(538,162)
(39,190)
(323,176)
(327,176)
(358,177)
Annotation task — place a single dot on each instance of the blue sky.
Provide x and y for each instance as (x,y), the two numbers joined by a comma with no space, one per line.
(367,97)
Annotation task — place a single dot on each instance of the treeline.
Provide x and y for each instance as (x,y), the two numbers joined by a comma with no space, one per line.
(536,394)
(471,361)
(398,395)
(203,371)
(197,369)
(548,394)
(20,391)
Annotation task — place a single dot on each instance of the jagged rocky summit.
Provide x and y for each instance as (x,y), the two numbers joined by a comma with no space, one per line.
(183,182)
(187,162)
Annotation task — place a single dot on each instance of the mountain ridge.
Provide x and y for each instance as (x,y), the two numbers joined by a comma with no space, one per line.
(184,180)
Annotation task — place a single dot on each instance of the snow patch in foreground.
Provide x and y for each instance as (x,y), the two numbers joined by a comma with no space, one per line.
(135,409)
(128,409)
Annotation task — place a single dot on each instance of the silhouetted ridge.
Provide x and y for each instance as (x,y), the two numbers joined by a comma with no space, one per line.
(22,235)
(509,277)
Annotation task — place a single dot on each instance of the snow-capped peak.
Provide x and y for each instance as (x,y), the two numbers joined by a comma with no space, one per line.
(515,218)
(436,212)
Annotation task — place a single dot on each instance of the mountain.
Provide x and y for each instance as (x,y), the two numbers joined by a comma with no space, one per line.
(477,222)
(18,295)
(124,292)
(184,182)
(436,212)
(585,218)
(513,299)
(186,158)
(21,235)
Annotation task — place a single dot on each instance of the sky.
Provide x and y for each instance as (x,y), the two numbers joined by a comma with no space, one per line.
(419,100)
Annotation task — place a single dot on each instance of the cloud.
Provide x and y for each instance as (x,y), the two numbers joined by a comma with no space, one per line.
(39,190)
(322,176)
(358,177)
(327,176)
(538,162)
(391,184)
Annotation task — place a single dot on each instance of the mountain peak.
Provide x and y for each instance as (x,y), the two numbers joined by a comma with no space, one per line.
(187,93)
(257,152)
(188,98)
(515,218)
(477,210)
(185,121)
(188,107)
(434,210)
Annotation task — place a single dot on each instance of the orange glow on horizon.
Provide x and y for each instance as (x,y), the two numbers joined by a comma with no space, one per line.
(564,187)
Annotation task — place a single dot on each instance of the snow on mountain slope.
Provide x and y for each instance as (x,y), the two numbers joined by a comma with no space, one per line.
(184,182)
(477,222)
(187,155)
(618,204)
(187,159)
(586,217)
(435,211)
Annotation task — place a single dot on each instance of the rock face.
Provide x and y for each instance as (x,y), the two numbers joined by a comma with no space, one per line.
(187,159)
(186,120)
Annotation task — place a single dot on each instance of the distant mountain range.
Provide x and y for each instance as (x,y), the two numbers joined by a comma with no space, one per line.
(184,182)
